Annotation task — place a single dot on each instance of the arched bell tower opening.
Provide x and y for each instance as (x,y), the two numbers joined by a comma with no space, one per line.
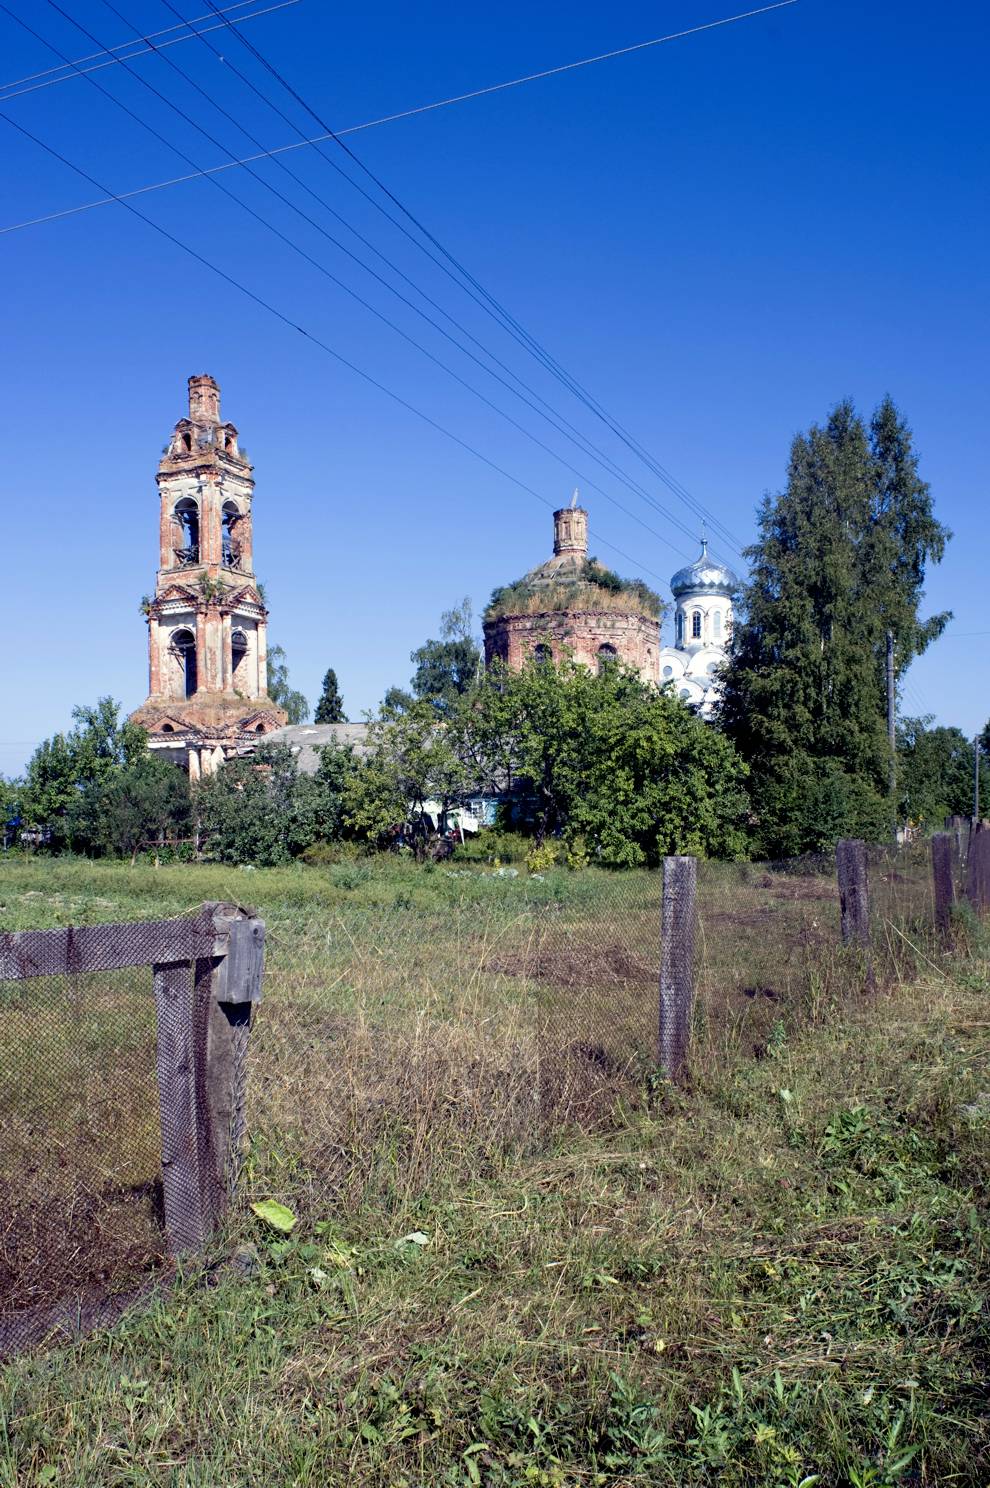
(207,621)
(183,651)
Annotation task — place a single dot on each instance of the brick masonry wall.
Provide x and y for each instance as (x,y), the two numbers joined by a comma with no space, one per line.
(578,633)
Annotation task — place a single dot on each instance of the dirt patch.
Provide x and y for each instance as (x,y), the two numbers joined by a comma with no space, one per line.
(799,888)
(609,965)
(55,1247)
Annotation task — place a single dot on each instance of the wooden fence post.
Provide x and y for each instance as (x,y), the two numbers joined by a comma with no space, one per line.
(680,877)
(185,1225)
(959,829)
(204,1020)
(978,869)
(854,897)
(229,977)
(942,853)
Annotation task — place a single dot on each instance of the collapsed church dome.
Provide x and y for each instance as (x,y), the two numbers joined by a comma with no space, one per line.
(572,607)
(704,576)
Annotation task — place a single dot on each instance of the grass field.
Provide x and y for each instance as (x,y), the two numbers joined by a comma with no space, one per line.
(774,1272)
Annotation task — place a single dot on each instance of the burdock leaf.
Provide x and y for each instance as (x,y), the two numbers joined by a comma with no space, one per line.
(275,1214)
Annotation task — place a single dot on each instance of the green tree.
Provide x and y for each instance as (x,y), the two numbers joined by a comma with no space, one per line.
(330,708)
(411,762)
(100,745)
(446,669)
(282,694)
(143,804)
(252,811)
(320,798)
(840,561)
(606,758)
(935,772)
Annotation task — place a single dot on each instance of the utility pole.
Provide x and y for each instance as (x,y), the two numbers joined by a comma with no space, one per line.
(891,734)
(976,781)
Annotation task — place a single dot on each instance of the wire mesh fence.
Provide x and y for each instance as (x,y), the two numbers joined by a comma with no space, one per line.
(436,1020)
(80,1159)
(122,1068)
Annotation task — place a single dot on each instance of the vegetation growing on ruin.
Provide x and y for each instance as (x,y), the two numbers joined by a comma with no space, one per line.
(594,588)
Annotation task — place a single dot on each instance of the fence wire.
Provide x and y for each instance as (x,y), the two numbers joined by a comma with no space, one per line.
(80,1157)
(434,1021)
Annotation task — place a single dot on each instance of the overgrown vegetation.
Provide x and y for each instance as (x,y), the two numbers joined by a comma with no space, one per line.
(775,1275)
(594,588)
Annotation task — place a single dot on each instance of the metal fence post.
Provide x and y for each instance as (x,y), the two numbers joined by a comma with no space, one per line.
(854,898)
(978,868)
(680,877)
(942,848)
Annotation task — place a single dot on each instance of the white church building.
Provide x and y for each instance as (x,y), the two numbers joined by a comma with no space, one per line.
(703,594)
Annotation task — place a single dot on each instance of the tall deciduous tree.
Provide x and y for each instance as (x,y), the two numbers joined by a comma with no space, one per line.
(446,669)
(63,766)
(280,690)
(840,561)
(330,708)
(935,772)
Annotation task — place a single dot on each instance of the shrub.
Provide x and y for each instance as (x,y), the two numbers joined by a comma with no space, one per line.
(540,859)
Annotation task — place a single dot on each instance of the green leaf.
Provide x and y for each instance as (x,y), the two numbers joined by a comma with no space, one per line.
(275,1214)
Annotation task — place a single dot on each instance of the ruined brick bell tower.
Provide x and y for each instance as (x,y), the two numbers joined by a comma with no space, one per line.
(207,623)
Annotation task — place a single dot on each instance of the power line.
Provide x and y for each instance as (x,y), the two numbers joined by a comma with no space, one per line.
(305,143)
(546,411)
(310,336)
(471,286)
(322,268)
(109,51)
(502,316)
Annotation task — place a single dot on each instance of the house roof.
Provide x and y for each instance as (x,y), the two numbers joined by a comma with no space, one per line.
(307,739)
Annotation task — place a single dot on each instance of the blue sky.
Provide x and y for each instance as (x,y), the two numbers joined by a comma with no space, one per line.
(718,237)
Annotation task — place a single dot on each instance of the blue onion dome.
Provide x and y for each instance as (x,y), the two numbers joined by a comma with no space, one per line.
(704,576)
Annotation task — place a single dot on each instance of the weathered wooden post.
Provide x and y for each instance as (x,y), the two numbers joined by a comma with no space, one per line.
(854,897)
(978,869)
(942,877)
(680,878)
(204,1018)
(959,829)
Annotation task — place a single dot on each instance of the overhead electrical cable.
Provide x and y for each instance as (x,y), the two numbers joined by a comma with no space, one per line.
(564,460)
(585,443)
(676,486)
(310,336)
(470,285)
(546,411)
(37,80)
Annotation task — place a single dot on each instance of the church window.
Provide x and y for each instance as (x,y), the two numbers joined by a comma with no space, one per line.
(184,649)
(717,625)
(542,655)
(607,655)
(187,517)
(680,627)
(668,671)
(696,625)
